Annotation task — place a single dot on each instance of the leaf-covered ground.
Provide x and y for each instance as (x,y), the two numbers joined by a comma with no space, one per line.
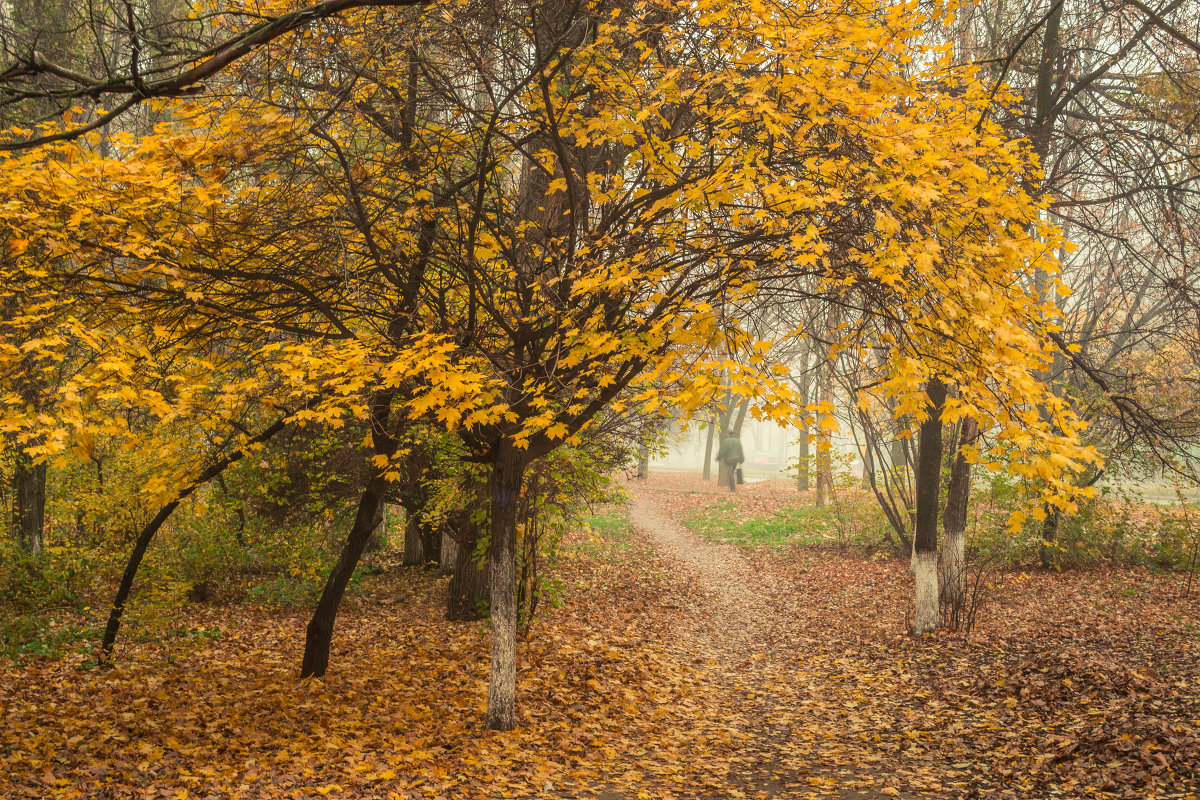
(1078,684)
(678,667)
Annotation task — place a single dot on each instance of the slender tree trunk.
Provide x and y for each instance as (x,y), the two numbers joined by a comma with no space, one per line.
(802,479)
(804,385)
(708,449)
(929,467)
(825,451)
(899,456)
(147,534)
(954,522)
(504,489)
(29,506)
(320,629)
(868,480)
(131,569)
(643,467)
(1047,547)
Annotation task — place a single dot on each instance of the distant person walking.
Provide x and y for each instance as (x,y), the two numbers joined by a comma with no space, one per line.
(731,455)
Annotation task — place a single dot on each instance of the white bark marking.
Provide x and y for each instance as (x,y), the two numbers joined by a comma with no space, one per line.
(928,615)
(954,560)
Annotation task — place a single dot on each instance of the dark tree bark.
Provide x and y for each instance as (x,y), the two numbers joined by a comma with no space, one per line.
(431,543)
(868,479)
(954,521)
(504,490)
(448,556)
(467,597)
(414,543)
(1047,547)
(929,468)
(29,502)
(320,628)
(378,537)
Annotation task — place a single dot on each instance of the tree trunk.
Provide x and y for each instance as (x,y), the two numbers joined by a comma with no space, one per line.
(378,536)
(899,456)
(431,543)
(708,449)
(740,420)
(1047,547)
(929,467)
(504,490)
(643,466)
(954,522)
(131,570)
(449,553)
(825,437)
(802,478)
(868,457)
(467,597)
(414,546)
(320,629)
(29,506)
(147,534)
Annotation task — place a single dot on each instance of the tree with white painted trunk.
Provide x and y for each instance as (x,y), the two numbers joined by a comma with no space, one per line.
(929,483)
(954,520)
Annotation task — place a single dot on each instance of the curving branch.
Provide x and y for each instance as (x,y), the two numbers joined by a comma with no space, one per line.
(135,88)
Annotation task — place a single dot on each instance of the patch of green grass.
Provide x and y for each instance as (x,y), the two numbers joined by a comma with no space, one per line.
(799,524)
(608,535)
(611,522)
(33,635)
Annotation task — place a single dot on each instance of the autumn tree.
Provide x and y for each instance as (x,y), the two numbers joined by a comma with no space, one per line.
(1099,89)
(501,220)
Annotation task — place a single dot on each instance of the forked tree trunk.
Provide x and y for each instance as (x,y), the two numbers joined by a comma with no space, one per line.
(954,522)
(504,489)
(319,635)
(929,467)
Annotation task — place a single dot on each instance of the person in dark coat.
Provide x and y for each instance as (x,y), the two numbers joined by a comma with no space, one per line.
(730,454)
